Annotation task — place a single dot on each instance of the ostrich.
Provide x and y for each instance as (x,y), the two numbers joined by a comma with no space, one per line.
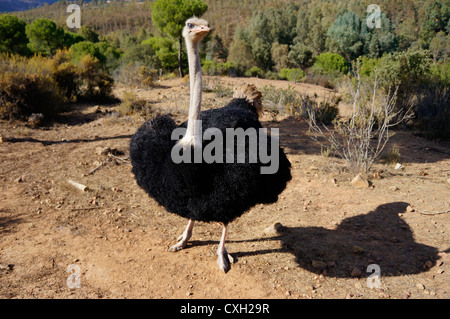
(206,192)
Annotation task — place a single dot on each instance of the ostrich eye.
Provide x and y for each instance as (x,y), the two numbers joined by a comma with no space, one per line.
(190,25)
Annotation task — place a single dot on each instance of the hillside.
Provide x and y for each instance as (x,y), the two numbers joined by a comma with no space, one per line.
(22,5)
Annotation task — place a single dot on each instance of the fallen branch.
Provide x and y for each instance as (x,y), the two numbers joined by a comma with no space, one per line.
(95,169)
(81,187)
(120,159)
(426,212)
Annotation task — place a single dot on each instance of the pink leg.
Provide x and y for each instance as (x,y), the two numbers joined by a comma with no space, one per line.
(224,261)
(183,239)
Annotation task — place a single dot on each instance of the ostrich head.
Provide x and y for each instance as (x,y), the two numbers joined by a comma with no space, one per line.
(195,30)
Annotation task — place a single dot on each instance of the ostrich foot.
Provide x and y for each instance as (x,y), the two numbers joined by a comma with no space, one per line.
(184,238)
(224,261)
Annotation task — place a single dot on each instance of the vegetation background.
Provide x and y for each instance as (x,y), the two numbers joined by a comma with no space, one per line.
(300,41)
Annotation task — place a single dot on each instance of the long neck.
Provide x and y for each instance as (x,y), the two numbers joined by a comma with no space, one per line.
(195,77)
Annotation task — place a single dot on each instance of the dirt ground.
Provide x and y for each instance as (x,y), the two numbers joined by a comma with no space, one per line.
(118,237)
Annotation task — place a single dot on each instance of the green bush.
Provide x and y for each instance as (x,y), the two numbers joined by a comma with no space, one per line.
(254,72)
(330,63)
(292,75)
(441,72)
(217,68)
(368,65)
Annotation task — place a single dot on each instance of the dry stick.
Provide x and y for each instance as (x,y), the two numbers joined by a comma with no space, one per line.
(95,169)
(426,212)
(121,159)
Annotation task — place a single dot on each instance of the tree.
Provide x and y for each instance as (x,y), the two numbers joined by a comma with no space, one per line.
(345,33)
(378,41)
(164,51)
(12,35)
(45,36)
(279,54)
(440,47)
(301,56)
(215,49)
(89,34)
(260,40)
(169,17)
(241,52)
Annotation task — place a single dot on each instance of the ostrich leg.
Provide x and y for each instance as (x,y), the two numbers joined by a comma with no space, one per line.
(224,261)
(183,239)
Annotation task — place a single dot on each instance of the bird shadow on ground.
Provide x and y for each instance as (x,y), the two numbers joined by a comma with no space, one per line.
(379,237)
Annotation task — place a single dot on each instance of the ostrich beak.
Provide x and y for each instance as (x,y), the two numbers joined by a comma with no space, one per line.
(201,29)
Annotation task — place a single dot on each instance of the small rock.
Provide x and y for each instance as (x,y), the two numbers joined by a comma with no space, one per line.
(420,286)
(360,182)
(333,181)
(393,188)
(2,140)
(19,180)
(356,272)
(357,250)
(398,166)
(318,264)
(428,264)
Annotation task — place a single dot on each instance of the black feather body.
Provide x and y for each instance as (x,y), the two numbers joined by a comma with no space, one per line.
(216,192)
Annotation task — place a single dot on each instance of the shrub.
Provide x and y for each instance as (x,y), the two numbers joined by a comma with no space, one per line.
(368,65)
(325,112)
(361,138)
(330,63)
(216,68)
(254,72)
(278,101)
(292,75)
(441,72)
(27,86)
(67,78)
(132,104)
(433,111)
(97,84)
(136,74)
